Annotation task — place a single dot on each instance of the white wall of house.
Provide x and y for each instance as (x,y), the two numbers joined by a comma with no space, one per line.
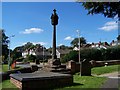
(76,49)
(58,54)
(25,53)
(98,46)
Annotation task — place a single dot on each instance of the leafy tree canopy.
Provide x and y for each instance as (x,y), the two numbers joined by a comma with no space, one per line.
(118,38)
(75,42)
(108,9)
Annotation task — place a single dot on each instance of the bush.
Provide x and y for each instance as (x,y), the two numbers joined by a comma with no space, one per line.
(31,58)
(73,55)
(25,60)
(111,53)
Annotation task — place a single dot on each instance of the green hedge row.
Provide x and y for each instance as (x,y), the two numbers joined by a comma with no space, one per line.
(111,53)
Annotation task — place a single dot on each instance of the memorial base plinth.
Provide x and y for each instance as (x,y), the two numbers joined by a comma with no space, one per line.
(41,80)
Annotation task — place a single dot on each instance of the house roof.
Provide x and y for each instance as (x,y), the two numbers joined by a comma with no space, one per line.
(45,53)
(64,51)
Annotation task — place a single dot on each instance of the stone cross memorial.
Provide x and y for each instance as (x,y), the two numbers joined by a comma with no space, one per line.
(54,22)
(44,78)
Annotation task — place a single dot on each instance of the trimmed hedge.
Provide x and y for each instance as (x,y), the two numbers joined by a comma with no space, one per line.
(111,53)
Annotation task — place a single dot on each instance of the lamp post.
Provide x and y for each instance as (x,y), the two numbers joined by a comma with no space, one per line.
(79,43)
(9,51)
(79,51)
(43,55)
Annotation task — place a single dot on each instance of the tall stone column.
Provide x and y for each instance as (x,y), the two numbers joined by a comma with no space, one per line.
(54,22)
(54,56)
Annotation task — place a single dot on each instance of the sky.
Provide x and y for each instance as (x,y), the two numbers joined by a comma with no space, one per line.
(31,22)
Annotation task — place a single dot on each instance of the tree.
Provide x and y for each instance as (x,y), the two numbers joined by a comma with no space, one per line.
(17,52)
(118,38)
(28,46)
(5,42)
(64,47)
(75,42)
(108,9)
(72,55)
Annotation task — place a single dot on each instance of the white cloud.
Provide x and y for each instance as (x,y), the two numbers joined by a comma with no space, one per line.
(69,38)
(60,44)
(109,26)
(42,43)
(32,30)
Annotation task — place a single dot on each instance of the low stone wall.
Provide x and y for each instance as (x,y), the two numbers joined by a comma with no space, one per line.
(5,75)
(73,66)
(103,63)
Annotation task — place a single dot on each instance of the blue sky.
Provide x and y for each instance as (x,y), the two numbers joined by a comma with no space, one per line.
(30,22)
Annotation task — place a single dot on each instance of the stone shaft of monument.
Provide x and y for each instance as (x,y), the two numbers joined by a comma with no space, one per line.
(54,56)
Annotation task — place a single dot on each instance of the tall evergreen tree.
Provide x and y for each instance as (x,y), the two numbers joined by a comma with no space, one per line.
(4,42)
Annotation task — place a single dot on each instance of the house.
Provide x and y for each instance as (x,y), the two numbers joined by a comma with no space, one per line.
(38,51)
(115,43)
(76,49)
(61,52)
(43,54)
(28,52)
(100,45)
(82,47)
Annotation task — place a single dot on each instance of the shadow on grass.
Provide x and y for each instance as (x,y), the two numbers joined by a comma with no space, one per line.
(10,89)
(67,86)
(76,84)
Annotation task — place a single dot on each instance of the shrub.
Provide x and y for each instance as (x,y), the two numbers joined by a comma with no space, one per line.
(73,55)
(111,53)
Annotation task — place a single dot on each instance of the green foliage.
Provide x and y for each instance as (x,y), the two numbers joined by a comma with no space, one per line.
(63,47)
(96,54)
(73,55)
(16,55)
(75,42)
(118,38)
(28,46)
(85,54)
(5,42)
(20,59)
(112,53)
(86,83)
(7,84)
(30,58)
(25,60)
(108,9)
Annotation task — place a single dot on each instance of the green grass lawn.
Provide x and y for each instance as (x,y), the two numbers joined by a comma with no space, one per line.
(7,84)
(82,81)
(103,70)
(4,68)
(86,82)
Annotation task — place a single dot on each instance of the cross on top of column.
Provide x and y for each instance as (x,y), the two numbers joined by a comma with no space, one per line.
(54,10)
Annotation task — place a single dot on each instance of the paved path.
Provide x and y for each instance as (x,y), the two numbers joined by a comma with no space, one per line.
(112,82)
(28,65)
(111,75)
